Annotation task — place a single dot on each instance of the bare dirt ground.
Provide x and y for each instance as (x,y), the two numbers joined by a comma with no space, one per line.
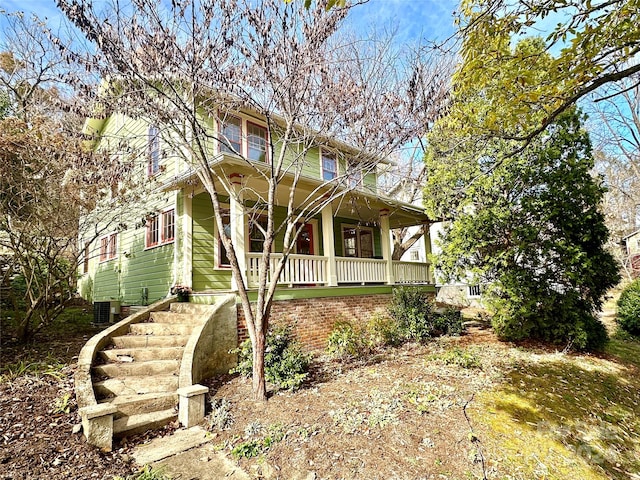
(38,413)
(399,415)
(466,407)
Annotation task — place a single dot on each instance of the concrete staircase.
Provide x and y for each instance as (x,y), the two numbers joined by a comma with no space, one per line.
(138,372)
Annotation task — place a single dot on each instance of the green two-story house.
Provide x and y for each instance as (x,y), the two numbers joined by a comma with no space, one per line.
(341,264)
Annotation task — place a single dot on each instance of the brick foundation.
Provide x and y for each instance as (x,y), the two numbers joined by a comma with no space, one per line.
(314,318)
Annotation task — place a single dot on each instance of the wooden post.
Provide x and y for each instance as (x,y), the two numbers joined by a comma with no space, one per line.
(328,245)
(385,234)
(237,220)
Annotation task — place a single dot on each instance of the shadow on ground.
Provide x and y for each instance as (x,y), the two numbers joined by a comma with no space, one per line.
(566,416)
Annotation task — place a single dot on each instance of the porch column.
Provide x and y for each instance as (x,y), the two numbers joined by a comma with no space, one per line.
(187,240)
(328,245)
(385,234)
(236,223)
(427,251)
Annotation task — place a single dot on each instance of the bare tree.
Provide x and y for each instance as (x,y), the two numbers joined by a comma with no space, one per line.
(615,128)
(48,178)
(185,65)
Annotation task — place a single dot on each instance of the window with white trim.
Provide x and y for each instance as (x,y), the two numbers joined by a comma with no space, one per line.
(256,237)
(153,148)
(160,229)
(329,166)
(230,135)
(108,247)
(223,258)
(357,241)
(256,142)
(473,290)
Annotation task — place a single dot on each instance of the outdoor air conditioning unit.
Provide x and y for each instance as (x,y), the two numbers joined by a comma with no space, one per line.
(105,312)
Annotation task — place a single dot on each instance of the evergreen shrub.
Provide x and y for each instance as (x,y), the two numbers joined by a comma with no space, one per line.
(629,308)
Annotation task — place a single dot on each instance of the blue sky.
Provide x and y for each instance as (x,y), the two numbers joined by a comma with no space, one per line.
(415,20)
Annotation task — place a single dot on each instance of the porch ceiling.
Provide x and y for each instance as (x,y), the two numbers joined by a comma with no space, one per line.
(362,204)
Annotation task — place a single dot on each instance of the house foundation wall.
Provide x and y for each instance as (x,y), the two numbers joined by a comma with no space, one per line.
(314,318)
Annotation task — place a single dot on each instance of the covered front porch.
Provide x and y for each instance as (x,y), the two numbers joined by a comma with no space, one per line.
(347,242)
(366,265)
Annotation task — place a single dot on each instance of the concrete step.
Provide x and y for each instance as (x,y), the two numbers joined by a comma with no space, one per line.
(129,405)
(112,387)
(144,341)
(149,368)
(124,355)
(140,423)
(194,308)
(173,317)
(160,329)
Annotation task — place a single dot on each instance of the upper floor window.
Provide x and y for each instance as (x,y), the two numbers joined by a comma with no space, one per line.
(256,142)
(160,229)
(354,177)
(108,247)
(231,135)
(329,167)
(153,146)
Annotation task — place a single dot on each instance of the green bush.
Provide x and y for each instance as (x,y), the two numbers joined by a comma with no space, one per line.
(559,318)
(414,311)
(383,330)
(285,364)
(629,308)
(347,342)
(448,322)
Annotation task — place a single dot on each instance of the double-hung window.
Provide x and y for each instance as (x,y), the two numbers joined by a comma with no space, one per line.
(168,226)
(160,229)
(108,247)
(357,241)
(231,135)
(329,167)
(256,142)
(153,147)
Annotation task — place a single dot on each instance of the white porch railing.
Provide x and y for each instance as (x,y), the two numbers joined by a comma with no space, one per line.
(411,272)
(298,269)
(312,270)
(360,270)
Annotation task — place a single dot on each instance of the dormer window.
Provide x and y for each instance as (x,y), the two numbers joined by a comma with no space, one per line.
(153,148)
(231,135)
(329,167)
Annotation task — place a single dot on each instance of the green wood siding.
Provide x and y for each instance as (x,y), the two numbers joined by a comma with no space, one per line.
(106,283)
(135,269)
(206,275)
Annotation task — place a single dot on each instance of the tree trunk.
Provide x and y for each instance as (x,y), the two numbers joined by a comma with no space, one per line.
(259,384)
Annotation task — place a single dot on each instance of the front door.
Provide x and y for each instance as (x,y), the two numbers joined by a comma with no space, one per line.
(304,242)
